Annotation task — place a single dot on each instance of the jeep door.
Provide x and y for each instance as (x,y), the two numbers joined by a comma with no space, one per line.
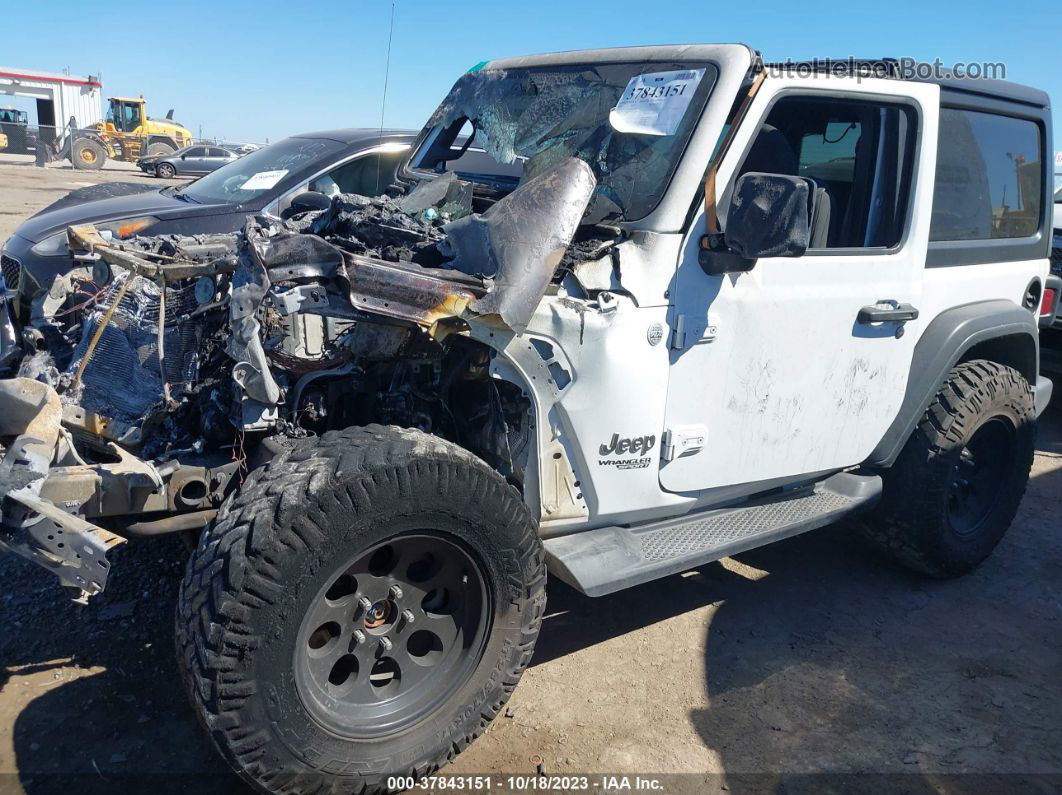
(782,371)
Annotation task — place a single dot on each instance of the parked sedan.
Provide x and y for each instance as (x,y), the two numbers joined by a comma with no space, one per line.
(190,161)
(268,180)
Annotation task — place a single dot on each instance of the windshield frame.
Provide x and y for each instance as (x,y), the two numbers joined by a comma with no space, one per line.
(641,61)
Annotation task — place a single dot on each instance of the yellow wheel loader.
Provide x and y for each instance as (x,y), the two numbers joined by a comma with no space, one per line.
(125,134)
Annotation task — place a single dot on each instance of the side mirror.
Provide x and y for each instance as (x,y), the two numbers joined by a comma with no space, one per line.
(184,157)
(770,216)
(308,201)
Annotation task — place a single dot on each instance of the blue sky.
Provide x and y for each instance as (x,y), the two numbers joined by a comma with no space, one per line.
(262,70)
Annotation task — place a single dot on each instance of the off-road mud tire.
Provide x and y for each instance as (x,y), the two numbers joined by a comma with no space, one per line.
(913,524)
(273,545)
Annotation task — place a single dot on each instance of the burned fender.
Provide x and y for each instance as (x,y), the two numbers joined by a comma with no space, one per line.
(519,242)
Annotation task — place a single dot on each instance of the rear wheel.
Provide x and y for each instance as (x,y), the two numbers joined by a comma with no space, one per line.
(362,608)
(159,148)
(165,170)
(954,490)
(88,154)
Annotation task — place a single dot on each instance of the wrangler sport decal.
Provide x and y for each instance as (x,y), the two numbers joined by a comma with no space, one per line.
(636,446)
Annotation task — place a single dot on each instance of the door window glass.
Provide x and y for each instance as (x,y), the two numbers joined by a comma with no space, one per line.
(130,116)
(858,154)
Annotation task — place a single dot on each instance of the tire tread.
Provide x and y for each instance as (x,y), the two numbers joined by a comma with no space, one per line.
(232,573)
(906,524)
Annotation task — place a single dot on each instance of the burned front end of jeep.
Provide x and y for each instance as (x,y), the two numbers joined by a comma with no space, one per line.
(140,389)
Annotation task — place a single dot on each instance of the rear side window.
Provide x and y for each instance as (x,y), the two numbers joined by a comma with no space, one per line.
(988,180)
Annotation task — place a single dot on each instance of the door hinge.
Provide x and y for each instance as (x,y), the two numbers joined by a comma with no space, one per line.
(678,334)
(682,440)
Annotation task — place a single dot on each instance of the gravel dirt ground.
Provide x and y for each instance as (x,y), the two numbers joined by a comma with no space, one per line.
(25,188)
(805,665)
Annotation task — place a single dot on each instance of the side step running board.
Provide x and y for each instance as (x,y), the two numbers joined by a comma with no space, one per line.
(608,559)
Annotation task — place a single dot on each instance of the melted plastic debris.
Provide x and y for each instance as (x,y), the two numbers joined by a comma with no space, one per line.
(449,197)
(303,221)
(197,248)
(588,246)
(376,227)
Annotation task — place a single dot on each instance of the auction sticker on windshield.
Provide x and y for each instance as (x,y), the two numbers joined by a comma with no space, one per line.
(264,180)
(654,103)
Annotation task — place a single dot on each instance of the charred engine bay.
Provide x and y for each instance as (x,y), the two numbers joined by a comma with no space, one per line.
(175,364)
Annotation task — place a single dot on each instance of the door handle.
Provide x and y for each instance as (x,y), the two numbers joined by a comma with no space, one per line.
(886,311)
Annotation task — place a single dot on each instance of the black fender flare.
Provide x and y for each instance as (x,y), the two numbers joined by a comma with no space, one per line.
(945,342)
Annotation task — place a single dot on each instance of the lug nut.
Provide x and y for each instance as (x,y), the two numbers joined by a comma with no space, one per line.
(385,643)
(408,616)
(365,603)
(359,636)
(396,592)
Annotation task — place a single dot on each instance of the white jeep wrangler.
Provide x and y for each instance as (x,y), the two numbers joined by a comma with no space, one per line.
(628,312)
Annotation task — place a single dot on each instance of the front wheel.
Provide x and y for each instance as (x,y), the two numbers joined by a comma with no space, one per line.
(88,154)
(165,170)
(361,609)
(957,483)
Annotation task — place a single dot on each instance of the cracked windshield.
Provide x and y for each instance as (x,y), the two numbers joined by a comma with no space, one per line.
(629,122)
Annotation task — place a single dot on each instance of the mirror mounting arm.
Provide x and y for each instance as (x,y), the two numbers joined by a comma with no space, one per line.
(716,258)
